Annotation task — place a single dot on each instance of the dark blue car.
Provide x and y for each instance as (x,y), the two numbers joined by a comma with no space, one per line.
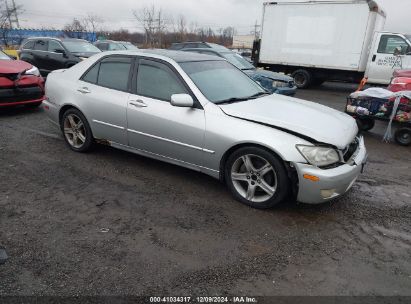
(272,82)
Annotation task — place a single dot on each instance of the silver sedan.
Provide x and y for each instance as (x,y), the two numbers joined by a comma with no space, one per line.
(201,112)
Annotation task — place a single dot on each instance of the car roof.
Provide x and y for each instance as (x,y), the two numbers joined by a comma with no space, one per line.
(54,38)
(176,56)
(180,56)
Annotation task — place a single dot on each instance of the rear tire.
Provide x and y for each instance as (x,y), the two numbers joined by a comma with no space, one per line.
(365,124)
(302,78)
(76,131)
(403,136)
(256,177)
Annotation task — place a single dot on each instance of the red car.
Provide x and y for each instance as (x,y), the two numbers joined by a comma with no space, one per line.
(401,81)
(20,83)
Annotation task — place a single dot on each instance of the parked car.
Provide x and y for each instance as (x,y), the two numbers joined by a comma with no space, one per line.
(202,113)
(49,54)
(196,44)
(20,83)
(401,81)
(110,45)
(272,82)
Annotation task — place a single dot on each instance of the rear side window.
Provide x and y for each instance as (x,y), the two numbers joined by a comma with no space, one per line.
(92,75)
(158,81)
(114,73)
(29,45)
(40,45)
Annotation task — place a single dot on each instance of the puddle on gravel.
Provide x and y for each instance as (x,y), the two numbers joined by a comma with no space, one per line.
(383,195)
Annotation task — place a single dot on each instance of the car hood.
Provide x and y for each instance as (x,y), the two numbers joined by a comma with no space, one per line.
(268,74)
(14,66)
(307,119)
(402,73)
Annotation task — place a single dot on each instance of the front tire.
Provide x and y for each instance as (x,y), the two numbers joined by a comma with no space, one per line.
(365,124)
(256,177)
(76,131)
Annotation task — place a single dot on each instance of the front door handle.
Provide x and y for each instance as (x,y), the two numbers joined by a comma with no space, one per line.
(138,103)
(84,90)
(374,57)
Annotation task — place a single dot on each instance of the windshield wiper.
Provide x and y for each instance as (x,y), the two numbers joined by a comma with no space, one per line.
(232,100)
(258,95)
(238,99)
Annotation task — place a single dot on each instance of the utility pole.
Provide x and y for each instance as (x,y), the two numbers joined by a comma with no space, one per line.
(256,27)
(12,16)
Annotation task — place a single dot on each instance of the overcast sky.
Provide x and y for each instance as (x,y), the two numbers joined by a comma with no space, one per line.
(242,14)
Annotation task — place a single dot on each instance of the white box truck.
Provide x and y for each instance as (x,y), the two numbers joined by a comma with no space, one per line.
(315,41)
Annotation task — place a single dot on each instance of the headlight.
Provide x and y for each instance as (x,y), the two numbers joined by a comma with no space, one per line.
(319,156)
(33,71)
(82,58)
(279,84)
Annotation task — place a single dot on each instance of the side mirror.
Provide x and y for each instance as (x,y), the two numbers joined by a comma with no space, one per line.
(182,100)
(398,51)
(60,51)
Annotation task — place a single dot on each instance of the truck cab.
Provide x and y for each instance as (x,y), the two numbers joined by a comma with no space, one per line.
(389,52)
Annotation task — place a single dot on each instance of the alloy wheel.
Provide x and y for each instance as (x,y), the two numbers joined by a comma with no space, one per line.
(254,178)
(74,131)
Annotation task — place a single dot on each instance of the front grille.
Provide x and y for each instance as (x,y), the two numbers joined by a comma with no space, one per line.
(351,149)
(20,94)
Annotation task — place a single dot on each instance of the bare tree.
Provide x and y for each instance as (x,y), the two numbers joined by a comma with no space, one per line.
(6,13)
(182,27)
(92,23)
(154,22)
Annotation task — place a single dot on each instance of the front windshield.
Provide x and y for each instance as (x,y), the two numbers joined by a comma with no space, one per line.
(80,47)
(220,81)
(130,46)
(238,61)
(4,56)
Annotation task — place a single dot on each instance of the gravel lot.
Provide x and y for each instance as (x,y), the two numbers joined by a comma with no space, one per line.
(113,223)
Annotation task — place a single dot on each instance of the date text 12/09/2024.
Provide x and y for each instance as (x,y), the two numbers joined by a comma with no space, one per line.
(238,299)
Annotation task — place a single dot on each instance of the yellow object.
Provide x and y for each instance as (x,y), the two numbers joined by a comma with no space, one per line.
(11,53)
(311,177)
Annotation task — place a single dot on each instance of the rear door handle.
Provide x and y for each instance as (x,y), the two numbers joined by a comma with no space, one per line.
(84,90)
(374,57)
(138,103)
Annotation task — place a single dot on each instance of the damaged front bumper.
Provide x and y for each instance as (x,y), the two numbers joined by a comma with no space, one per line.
(329,184)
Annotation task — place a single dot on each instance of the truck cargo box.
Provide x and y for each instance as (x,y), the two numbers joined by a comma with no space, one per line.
(321,34)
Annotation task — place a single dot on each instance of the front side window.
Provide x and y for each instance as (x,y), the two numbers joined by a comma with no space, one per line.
(220,81)
(55,47)
(158,81)
(389,43)
(112,73)
(40,45)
